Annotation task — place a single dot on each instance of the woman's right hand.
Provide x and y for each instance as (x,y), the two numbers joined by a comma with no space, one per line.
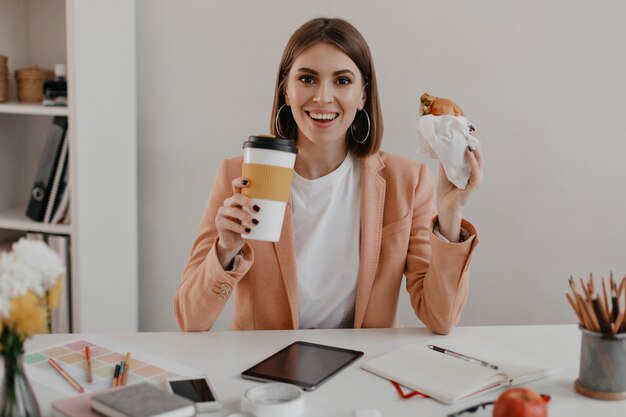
(234,218)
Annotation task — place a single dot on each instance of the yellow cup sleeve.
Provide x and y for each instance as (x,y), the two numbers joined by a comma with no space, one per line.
(267,182)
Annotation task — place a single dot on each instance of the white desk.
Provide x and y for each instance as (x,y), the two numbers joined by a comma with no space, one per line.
(223,355)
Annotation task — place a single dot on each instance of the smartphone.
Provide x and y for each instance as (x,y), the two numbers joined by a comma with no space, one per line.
(196,388)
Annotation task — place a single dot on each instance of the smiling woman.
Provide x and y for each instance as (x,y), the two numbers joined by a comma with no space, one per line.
(357,221)
(324,90)
(338,47)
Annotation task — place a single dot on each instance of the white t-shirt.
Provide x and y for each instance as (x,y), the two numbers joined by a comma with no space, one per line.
(327,222)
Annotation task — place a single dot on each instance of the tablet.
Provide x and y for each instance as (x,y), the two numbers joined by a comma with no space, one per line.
(304,364)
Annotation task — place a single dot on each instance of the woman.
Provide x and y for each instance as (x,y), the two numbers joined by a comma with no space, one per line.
(357,220)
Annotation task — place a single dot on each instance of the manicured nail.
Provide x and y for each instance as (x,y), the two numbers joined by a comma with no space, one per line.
(470,149)
(244,182)
(255,221)
(248,230)
(256,208)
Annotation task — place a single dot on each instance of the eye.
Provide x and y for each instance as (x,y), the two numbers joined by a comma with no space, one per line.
(306,79)
(344,81)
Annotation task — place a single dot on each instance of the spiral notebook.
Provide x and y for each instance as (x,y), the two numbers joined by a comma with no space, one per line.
(450,379)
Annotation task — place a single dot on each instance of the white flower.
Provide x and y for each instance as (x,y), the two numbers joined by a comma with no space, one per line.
(31,265)
(40,260)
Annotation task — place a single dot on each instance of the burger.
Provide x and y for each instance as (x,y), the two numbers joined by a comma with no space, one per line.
(438,106)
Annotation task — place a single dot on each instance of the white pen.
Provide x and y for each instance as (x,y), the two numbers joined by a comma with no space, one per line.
(461,356)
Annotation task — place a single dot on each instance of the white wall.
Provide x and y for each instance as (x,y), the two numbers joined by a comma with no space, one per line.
(544,82)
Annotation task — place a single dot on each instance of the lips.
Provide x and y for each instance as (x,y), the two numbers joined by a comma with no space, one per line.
(322,118)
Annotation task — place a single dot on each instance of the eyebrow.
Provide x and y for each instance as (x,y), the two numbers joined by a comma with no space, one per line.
(312,71)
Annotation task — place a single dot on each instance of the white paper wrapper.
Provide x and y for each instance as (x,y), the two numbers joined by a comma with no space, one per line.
(445,138)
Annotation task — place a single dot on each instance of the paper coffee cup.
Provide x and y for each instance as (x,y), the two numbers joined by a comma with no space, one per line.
(268,165)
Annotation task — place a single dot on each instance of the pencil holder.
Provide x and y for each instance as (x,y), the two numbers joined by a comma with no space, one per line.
(602,373)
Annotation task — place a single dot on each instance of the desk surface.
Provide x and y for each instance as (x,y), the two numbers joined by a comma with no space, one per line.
(223,355)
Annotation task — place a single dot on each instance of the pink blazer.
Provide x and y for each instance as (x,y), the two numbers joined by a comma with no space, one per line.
(397,218)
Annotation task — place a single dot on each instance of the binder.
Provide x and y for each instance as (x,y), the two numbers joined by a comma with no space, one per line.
(61,317)
(42,186)
(59,182)
(60,209)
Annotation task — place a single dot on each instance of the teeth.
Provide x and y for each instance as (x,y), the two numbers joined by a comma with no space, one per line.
(323,116)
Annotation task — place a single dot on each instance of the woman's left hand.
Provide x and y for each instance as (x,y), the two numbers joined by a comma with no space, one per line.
(452,199)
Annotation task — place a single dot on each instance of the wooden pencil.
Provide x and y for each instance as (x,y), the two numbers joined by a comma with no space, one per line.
(65,375)
(594,325)
(116,373)
(593,316)
(612,281)
(603,320)
(584,308)
(619,325)
(121,374)
(580,307)
(572,285)
(605,300)
(615,305)
(617,328)
(575,308)
(585,289)
(88,360)
(126,369)
(588,313)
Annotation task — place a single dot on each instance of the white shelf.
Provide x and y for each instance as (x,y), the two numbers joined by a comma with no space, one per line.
(103,233)
(15,219)
(32,109)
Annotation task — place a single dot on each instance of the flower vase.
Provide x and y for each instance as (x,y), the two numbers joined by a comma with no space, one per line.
(16,395)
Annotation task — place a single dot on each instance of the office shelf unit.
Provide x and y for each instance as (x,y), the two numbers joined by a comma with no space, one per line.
(96,41)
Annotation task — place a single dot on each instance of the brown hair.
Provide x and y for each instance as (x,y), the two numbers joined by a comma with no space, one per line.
(347,38)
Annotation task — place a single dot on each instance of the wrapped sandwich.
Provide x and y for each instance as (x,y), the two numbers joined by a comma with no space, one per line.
(443,133)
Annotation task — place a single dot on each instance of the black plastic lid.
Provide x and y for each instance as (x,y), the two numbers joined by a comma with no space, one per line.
(270,142)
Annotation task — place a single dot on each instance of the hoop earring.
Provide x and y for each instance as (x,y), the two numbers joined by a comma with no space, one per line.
(276,124)
(353,128)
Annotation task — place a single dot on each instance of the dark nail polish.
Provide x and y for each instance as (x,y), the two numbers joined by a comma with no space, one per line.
(248,230)
(244,182)
(256,208)
(470,149)
(255,221)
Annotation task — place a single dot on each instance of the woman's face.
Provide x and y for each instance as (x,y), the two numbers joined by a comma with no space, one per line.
(324,89)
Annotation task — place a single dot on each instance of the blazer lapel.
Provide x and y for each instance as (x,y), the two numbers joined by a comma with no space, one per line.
(372,206)
(286,255)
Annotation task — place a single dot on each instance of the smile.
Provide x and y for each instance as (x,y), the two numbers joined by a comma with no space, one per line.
(323,117)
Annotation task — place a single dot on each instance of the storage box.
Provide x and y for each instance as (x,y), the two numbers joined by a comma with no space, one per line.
(30,83)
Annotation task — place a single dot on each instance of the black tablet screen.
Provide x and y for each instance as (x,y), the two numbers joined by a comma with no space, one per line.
(304,364)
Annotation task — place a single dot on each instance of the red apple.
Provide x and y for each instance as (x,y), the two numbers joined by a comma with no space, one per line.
(520,402)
